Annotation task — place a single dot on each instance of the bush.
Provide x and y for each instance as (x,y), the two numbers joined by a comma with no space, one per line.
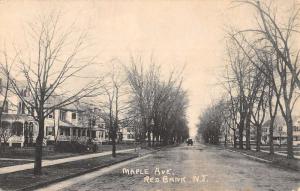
(73,147)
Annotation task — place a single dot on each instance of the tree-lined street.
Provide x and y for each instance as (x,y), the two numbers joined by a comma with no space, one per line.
(218,169)
(185,95)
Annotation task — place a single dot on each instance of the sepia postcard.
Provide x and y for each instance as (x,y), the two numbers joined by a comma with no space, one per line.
(150,95)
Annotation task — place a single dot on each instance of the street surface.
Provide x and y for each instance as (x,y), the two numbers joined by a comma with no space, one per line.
(187,168)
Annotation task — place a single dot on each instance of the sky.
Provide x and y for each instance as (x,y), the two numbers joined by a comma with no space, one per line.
(179,34)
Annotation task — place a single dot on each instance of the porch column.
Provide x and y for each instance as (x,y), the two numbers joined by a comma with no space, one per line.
(71,131)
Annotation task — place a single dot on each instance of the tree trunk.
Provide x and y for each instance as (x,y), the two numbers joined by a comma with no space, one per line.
(149,138)
(258,137)
(39,149)
(153,137)
(280,140)
(289,122)
(271,129)
(241,129)
(225,143)
(234,139)
(248,146)
(113,141)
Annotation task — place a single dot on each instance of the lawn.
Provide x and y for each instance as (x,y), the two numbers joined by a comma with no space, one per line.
(50,154)
(282,149)
(4,163)
(25,180)
(277,148)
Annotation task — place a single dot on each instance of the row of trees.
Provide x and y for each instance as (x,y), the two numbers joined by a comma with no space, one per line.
(53,71)
(211,124)
(262,75)
(158,106)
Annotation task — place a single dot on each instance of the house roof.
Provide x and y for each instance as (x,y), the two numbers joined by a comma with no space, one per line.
(16,117)
(280,121)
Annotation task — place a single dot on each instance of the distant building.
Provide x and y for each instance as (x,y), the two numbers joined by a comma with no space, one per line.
(280,131)
(17,126)
(76,122)
(128,134)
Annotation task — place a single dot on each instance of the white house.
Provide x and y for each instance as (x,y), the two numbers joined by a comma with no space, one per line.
(280,131)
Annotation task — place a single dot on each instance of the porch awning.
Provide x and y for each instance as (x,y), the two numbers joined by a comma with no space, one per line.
(64,124)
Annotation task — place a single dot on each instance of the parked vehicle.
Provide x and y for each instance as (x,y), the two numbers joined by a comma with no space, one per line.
(189,142)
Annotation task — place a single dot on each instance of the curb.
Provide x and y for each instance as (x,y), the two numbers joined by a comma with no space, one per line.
(264,161)
(250,156)
(44,184)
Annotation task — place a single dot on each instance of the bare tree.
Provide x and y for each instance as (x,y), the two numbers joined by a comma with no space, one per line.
(273,89)
(278,36)
(47,75)
(232,107)
(242,87)
(259,112)
(143,82)
(115,90)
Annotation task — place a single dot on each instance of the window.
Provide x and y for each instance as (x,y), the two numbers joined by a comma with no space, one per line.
(67,131)
(296,128)
(264,130)
(50,131)
(30,129)
(93,134)
(17,128)
(92,122)
(129,136)
(50,116)
(74,132)
(73,115)
(6,125)
(83,132)
(61,132)
(62,115)
(296,138)
(79,132)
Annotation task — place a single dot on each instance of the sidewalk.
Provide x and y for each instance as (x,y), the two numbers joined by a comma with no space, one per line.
(85,177)
(16,168)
